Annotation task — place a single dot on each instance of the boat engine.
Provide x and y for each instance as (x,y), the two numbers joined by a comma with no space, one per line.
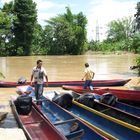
(23,104)
(64,100)
(87,99)
(108,98)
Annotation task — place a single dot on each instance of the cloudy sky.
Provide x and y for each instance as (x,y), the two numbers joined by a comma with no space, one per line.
(98,12)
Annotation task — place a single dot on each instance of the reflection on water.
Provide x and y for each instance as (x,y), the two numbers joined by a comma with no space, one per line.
(69,67)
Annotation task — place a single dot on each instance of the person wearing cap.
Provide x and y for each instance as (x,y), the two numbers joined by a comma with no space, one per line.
(88,76)
(39,75)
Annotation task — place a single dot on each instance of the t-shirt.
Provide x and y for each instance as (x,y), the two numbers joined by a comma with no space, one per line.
(26,89)
(89,73)
(38,74)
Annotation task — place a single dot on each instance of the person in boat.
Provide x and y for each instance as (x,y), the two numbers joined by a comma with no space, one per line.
(88,76)
(25,90)
(39,76)
(23,102)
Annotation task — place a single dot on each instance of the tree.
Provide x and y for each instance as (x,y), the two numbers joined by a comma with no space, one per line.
(136,43)
(8,8)
(37,47)
(6,35)
(121,31)
(6,24)
(24,24)
(81,33)
(137,18)
(67,33)
(47,39)
(138,64)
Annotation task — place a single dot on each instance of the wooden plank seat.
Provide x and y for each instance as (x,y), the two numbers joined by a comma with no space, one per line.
(75,134)
(63,122)
(105,110)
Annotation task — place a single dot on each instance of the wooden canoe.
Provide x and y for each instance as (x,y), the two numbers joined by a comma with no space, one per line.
(36,127)
(122,95)
(118,105)
(63,121)
(115,112)
(128,108)
(97,83)
(117,128)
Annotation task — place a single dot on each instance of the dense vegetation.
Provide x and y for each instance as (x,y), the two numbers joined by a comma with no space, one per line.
(65,34)
(21,34)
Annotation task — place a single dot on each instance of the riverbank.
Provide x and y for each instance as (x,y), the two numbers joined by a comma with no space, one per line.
(134,84)
(109,53)
(9,126)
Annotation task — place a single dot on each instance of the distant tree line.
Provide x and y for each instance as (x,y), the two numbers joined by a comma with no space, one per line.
(21,34)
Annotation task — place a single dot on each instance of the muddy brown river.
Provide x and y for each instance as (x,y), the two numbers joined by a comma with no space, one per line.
(69,67)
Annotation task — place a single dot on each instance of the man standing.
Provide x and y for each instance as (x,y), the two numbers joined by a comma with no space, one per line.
(88,76)
(38,74)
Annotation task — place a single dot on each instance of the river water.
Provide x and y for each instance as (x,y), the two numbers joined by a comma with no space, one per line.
(69,67)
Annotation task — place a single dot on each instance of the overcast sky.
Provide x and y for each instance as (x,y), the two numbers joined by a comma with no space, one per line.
(98,12)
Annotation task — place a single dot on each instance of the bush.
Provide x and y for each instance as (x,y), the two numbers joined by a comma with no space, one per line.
(138,64)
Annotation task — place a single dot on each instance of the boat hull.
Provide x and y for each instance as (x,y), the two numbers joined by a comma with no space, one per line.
(36,127)
(122,95)
(97,83)
(57,114)
(128,108)
(119,105)
(112,126)
(115,112)
(117,128)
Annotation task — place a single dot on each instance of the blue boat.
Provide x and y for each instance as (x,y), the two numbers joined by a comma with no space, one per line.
(128,108)
(120,106)
(64,121)
(117,128)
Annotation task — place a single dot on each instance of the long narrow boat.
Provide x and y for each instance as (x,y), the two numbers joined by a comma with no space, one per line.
(97,83)
(128,108)
(119,129)
(64,121)
(36,127)
(122,95)
(119,105)
(114,112)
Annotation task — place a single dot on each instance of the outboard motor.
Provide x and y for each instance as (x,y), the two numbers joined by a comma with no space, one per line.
(87,99)
(21,80)
(108,98)
(23,104)
(63,99)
